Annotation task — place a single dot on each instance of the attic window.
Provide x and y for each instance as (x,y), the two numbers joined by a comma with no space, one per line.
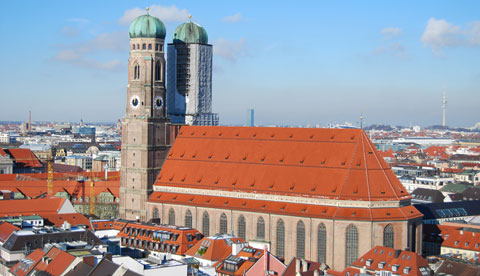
(227,156)
(237,134)
(254,135)
(343,163)
(323,162)
(291,135)
(253,184)
(204,133)
(210,156)
(183,179)
(273,135)
(263,206)
(324,211)
(382,192)
(208,201)
(192,133)
(194,155)
(353,137)
(245,157)
(314,188)
(388,214)
(281,160)
(358,164)
(181,133)
(331,137)
(311,136)
(370,152)
(244,204)
(225,203)
(220,134)
(271,186)
(234,182)
(292,187)
(181,155)
(174,198)
(301,161)
(216,181)
(191,199)
(283,208)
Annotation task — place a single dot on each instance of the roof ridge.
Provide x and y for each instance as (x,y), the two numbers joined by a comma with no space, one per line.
(366,172)
(348,171)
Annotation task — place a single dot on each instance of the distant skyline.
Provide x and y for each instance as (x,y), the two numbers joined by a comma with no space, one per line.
(295,63)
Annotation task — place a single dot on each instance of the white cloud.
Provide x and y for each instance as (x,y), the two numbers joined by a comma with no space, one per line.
(396,49)
(230,50)
(440,34)
(78,54)
(232,18)
(165,13)
(70,32)
(391,32)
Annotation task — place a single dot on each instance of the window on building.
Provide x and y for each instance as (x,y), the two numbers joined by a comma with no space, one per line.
(206,224)
(388,236)
(158,71)
(241,227)
(136,73)
(260,229)
(155,213)
(351,244)
(188,219)
(156,47)
(223,224)
(133,46)
(280,238)
(171,216)
(149,46)
(144,46)
(300,240)
(322,243)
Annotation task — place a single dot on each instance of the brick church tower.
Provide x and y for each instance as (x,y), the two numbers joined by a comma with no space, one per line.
(145,127)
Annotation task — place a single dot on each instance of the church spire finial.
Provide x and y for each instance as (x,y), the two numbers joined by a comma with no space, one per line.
(147,9)
(189,18)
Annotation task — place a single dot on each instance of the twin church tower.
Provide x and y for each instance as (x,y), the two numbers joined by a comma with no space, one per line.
(154,102)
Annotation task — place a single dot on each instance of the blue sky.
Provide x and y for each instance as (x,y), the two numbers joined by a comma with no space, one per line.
(294,62)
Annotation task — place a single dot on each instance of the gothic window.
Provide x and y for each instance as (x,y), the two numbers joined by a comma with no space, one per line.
(206,224)
(300,240)
(171,216)
(188,219)
(149,46)
(280,238)
(158,71)
(223,224)
(144,46)
(241,227)
(136,73)
(322,243)
(133,46)
(351,244)
(155,213)
(388,236)
(156,47)
(260,229)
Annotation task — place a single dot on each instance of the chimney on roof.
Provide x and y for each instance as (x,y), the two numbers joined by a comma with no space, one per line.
(236,247)
(297,265)
(108,256)
(89,260)
(316,273)
(397,253)
(461,232)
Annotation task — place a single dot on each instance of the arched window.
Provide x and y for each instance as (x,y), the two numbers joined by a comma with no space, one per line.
(388,236)
(158,71)
(133,46)
(241,227)
(322,243)
(149,46)
(136,73)
(171,216)
(260,229)
(155,213)
(144,46)
(188,219)
(280,238)
(223,224)
(300,240)
(351,244)
(206,224)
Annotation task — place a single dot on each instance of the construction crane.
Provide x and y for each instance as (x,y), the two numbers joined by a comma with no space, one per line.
(92,196)
(50,174)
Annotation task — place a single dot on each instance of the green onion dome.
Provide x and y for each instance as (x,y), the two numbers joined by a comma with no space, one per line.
(190,32)
(147,26)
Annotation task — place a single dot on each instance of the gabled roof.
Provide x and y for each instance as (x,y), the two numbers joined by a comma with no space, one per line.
(340,164)
(390,259)
(311,267)
(2,152)
(24,266)
(25,157)
(55,262)
(213,248)
(40,206)
(6,229)
(243,261)
(450,267)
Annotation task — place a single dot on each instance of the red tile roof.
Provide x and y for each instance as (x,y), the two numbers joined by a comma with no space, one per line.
(26,207)
(292,209)
(390,259)
(33,258)
(182,240)
(321,163)
(75,219)
(55,262)
(248,255)
(6,229)
(2,152)
(25,157)
(460,238)
(213,248)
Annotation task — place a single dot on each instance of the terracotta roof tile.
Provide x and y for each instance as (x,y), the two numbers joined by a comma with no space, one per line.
(292,209)
(32,259)
(6,229)
(25,157)
(322,163)
(214,248)
(40,206)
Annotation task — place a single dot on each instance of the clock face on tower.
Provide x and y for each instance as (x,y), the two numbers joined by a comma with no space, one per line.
(158,102)
(134,101)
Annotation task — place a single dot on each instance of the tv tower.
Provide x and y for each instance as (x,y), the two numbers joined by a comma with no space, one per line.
(444,107)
